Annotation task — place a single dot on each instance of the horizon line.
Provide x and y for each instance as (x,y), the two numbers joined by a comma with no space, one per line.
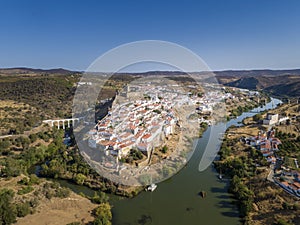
(147,71)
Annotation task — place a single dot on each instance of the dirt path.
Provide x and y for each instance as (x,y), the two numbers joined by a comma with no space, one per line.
(34,130)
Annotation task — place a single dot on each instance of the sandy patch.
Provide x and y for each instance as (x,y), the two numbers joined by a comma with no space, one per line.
(60,211)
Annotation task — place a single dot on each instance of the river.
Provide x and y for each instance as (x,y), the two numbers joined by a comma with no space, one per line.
(176,201)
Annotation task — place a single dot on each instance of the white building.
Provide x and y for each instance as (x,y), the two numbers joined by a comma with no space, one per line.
(271,119)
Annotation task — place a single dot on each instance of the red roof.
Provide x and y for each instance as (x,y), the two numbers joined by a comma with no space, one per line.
(125,135)
(138,134)
(142,144)
(124,145)
(297,185)
(132,127)
(265,144)
(285,183)
(294,187)
(146,136)
(114,139)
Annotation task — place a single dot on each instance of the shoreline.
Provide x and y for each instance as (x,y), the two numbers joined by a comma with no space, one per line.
(256,181)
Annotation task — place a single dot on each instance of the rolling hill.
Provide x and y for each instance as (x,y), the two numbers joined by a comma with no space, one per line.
(283,83)
(278,85)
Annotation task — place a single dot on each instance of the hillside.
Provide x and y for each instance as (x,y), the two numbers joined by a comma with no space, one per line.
(251,83)
(291,89)
(256,73)
(282,85)
(30,71)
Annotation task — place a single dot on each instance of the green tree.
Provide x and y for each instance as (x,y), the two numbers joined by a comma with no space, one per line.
(80,178)
(200,94)
(62,192)
(164,149)
(13,167)
(7,209)
(103,214)
(23,209)
(33,137)
(99,198)
(136,154)
(4,144)
(257,117)
(283,222)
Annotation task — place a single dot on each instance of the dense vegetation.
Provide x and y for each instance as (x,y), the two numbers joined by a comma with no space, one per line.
(54,93)
(102,214)
(290,144)
(239,168)
(55,160)
(27,100)
(12,207)
(7,209)
(248,169)
(28,155)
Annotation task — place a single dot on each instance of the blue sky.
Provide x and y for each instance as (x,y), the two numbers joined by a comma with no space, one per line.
(226,34)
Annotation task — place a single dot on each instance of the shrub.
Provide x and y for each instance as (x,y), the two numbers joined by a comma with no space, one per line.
(80,178)
(25,190)
(7,210)
(164,149)
(62,192)
(23,209)
(99,198)
(103,214)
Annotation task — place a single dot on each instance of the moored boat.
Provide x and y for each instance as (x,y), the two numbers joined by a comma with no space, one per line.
(151,187)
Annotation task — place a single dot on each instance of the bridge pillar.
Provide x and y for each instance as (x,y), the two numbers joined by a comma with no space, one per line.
(57,122)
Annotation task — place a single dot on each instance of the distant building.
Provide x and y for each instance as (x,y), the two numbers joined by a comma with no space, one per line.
(271,119)
(84,83)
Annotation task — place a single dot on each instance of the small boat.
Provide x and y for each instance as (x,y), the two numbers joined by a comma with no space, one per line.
(151,187)
(220,175)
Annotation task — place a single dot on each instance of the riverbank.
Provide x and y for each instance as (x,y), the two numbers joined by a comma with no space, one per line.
(161,206)
(39,201)
(64,162)
(58,211)
(260,200)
